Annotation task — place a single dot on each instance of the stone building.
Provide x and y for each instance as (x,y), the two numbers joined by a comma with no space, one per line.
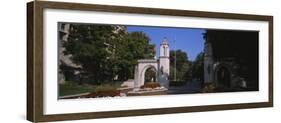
(64,60)
(231,59)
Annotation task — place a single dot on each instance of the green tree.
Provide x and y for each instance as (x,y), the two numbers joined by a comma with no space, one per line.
(182,65)
(198,67)
(132,47)
(91,47)
(106,52)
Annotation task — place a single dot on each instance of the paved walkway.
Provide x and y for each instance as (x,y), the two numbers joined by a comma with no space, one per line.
(189,87)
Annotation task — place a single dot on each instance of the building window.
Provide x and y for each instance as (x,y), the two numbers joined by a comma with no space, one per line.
(165,51)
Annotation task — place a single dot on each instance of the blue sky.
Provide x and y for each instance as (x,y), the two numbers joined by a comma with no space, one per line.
(187,39)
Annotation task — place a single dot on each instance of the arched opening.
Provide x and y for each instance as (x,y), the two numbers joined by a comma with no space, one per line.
(223,76)
(150,75)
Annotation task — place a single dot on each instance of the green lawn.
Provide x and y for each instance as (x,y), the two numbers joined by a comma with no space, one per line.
(71,88)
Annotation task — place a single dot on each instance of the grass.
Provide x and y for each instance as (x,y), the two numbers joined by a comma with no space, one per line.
(105,87)
(72,88)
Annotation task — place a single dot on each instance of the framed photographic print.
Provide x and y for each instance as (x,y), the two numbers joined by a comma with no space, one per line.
(96,61)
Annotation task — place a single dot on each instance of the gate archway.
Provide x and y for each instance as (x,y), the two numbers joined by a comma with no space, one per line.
(141,68)
(150,75)
(223,75)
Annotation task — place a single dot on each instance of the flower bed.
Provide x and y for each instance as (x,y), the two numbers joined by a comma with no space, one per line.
(111,93)
(150,85)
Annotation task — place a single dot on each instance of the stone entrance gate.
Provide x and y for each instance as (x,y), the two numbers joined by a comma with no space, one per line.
(161,66)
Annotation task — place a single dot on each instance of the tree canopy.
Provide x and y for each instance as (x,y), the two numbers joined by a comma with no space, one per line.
(198,67)
(106,52)
(182,65)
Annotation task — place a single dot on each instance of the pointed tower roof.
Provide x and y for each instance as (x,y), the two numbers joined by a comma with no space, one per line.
(164,41)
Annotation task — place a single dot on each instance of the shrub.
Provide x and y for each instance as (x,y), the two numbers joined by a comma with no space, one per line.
(209,88)
(105,90)
(212,87)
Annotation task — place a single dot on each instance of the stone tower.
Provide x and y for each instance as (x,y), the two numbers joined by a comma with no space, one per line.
(164,58)
(208,62)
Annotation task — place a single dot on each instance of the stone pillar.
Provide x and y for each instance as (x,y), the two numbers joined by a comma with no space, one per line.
(164,63)
(136,79)
(164,58)
(208,62)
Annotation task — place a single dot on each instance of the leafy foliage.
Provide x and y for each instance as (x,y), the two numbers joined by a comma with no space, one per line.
(129,49)
(198,67)
(106,52)
(182,65)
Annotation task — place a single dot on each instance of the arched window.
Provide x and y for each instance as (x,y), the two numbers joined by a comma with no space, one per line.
(165,51)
